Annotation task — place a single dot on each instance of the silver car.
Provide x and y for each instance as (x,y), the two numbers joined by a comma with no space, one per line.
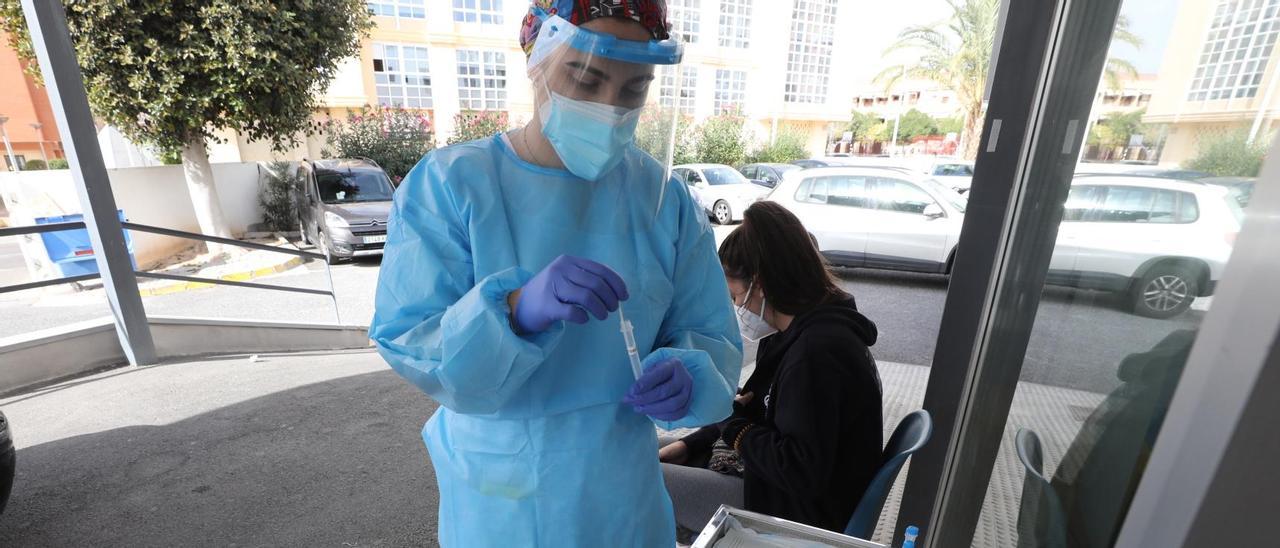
(1161,242)
(343,207)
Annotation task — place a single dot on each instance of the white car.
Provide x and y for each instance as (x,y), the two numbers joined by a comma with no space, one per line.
(951,172)
(722,191)
(1162,242)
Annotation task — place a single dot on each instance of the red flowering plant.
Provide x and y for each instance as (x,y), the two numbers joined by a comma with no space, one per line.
(395,138)
(470,125)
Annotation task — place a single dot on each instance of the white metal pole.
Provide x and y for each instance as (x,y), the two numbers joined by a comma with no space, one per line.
(40,139)
(47,23)
(8,149)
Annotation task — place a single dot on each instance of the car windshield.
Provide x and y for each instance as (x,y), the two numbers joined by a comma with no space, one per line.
(723,176)
(953,170)
(354,186)
(951,197)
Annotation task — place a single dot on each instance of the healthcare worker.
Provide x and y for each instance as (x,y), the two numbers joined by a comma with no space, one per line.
(507,261)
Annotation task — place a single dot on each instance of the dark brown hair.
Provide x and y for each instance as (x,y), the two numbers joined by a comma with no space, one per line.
(775,251)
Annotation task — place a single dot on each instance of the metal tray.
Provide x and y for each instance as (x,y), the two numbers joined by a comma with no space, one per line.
(716,528)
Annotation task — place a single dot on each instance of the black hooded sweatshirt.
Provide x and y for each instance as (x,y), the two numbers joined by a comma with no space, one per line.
(814,442)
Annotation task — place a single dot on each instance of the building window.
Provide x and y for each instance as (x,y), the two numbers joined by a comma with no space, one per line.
(813,29)
(731,90)
(1236,50)
(485,12)
(735,23)
(686,19)
(401,76)
(482,80)
(683,96)
(415,9)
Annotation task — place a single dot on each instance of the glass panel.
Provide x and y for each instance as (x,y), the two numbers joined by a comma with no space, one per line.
(1143,243)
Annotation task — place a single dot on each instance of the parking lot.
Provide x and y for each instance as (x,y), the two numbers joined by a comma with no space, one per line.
(1080,336)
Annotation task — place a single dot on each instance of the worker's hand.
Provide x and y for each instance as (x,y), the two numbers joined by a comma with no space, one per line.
(675,453)
(664,392)
(744,398)
(566,290)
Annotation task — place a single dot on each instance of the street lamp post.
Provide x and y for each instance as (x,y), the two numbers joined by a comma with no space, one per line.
(8,149)
(40,139)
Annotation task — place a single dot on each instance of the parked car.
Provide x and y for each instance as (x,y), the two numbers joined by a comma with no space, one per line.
(721,191)
(1162,242)
(953,173)
(1241,187)
(343,207)
(768,175)
(1180,174)
(811,163)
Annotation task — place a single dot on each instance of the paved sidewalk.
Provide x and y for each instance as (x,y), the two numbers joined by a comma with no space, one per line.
(313,449)
(1056,414)
(241,266)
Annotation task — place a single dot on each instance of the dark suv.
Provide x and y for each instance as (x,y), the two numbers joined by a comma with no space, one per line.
(343,207)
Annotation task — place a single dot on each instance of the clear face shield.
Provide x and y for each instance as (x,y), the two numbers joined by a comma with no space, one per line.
(600,102)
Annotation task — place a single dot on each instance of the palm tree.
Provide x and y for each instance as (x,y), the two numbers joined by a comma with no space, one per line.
(1118,69)
(956,54)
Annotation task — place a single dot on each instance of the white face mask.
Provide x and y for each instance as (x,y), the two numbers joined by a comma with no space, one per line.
(751,324)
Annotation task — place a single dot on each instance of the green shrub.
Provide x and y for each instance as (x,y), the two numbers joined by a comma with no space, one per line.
(1230,154)
(276,196)
(395,138)
(722,140)
(470,125)
(788,146)
(58,163)
(35,165)
(654,135)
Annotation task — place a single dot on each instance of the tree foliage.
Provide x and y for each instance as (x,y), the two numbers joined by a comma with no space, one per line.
(35,165)
(787,146)
(861,123)
(953,124)
(165,72)
(722,139)
(956,54)
(395,138)
(916,124)
(1118,68)
(58,163)
(654,135)
(1230,154)
(1117,129)
(470,125)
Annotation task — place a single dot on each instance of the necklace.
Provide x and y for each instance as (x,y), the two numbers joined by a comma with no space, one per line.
(524,140)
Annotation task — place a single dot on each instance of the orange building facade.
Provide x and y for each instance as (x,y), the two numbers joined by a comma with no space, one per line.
(31,130)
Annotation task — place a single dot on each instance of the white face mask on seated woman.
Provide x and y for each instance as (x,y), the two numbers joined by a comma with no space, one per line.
(752,324)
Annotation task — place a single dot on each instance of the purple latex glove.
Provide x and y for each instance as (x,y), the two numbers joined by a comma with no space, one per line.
(566,290)
(664,392)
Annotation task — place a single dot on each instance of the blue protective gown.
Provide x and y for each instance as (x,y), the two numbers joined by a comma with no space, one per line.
(531,445)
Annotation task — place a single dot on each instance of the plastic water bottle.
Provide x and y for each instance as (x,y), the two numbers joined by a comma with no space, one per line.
(909,537)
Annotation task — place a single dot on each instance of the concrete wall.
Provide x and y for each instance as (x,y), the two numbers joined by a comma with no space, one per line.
(154,196)
(59,353)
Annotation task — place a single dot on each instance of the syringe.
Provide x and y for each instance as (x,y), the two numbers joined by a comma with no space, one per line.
(628,335)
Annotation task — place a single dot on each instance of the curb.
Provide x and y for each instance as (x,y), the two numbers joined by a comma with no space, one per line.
(179,287)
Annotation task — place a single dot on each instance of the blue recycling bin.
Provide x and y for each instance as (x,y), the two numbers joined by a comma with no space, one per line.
(71,251)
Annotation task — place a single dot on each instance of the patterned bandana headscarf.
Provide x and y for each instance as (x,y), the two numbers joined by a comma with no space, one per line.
(650,13)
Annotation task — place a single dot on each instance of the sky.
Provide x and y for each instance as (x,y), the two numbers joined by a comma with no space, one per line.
(1152,20)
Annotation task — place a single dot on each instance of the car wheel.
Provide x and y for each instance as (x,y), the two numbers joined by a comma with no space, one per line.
(721,212)
(8,461)
(302,233)
(326,249)
(1165,291)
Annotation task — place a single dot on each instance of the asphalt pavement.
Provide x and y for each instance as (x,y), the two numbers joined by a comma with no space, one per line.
(1079,339)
